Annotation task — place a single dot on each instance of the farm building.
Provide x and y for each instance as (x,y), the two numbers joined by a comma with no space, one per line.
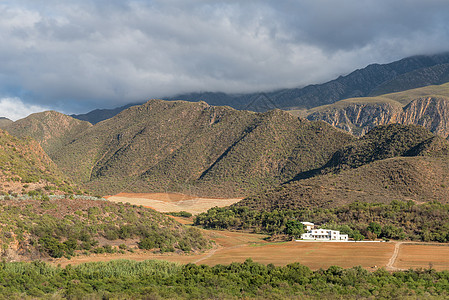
(324,235)
(309,226)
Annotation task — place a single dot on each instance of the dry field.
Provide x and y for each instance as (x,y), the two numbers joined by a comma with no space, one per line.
(237,247)
(172,202)
(315,255)
(422,256)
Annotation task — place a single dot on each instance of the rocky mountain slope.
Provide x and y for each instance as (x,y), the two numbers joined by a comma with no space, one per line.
(394,162)
(433,75)
(191,147)
(427,106)
(416,71)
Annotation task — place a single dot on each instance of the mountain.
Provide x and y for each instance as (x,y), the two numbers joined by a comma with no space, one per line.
(189,147)
(4,122)
(428,106)
(373,80)
(99,115)
(51,129)
(26,167)
(416,71)
(380,143)
(394,162)
(434,75)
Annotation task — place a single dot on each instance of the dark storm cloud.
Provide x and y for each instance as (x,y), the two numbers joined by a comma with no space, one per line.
(77,55)
(345,25)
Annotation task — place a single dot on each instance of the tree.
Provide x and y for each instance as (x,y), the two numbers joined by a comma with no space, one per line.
(294,228)
(374,228)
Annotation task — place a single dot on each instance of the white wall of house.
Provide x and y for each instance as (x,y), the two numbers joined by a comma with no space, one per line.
(324,235)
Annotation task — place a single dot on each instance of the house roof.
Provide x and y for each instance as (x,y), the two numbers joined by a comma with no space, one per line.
(307,223)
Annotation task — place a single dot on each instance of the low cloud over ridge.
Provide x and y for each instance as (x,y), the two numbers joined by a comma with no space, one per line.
(14,108)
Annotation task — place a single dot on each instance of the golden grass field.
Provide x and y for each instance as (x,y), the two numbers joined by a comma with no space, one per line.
(238,246)
(172,202)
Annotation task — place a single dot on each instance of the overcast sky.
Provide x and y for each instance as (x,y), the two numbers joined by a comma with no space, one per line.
(74,56)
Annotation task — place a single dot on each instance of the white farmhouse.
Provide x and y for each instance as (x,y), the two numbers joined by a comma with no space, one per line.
(309,226)
(324,235)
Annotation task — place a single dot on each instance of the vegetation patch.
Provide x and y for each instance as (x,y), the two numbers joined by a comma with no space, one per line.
(158,279)
(399,220)
(55,228)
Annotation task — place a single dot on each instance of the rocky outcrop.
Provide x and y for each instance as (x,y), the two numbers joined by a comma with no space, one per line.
(359,118)
(430,112)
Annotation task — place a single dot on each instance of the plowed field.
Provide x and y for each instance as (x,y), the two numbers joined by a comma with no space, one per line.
(423,256)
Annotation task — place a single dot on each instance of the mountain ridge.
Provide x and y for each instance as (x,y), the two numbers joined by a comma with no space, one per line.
(191,147)
(410,72)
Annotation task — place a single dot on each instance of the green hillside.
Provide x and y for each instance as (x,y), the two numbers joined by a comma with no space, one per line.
(25,167)
(419,179)
(380,143)
(126,279)
(395,176)
(51,129)
(390,162)
(189,147)
(39,229)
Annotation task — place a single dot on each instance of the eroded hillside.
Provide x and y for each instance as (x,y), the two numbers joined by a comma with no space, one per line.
(428,107)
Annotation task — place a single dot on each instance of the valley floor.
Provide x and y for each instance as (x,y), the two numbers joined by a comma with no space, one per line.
(238,246)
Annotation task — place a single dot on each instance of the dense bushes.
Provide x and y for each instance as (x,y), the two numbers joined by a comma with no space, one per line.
(60,227)
(159,279)
(397,220)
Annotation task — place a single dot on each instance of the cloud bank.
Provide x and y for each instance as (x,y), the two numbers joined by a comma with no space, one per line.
(74,56)
(14,108)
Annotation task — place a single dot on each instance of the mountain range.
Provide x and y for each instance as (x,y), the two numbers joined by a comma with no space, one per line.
(218,151)
(373,80)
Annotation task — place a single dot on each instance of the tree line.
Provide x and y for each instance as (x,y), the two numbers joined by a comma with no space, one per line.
(396,220)
(159,279)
